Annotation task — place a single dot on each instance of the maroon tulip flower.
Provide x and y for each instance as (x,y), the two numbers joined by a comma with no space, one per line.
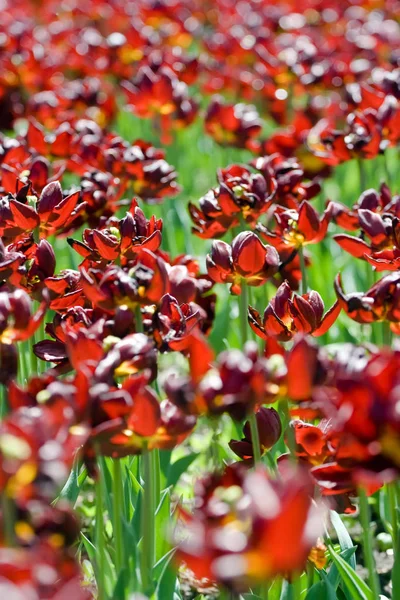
(269,431)
(288,314)
(247,260)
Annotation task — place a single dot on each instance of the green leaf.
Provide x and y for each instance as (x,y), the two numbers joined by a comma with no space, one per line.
(165,461)
(275,589)
(167,581)
(136,520)
(119,590)
(135,485)
(286,591)
(344,538)
(333,575)
(323,590)
(289,592)
(90,548)
(178,467)
(396,572)
(162,519)
(107,478)
(160,565)
(73,484)
(222,322)
(356,586)
(91,552)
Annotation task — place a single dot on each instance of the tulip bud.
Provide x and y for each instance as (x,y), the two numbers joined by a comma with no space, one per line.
(8,363)
(269,428)
(269,431)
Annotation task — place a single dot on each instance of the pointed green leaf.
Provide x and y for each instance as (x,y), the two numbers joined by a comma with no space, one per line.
(343,535)
(356,586)
(178,467)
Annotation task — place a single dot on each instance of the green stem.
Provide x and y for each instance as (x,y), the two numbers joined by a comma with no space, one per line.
(392,499)
(138,319)
(396,572)
(310,575)
(8,510)
(31,357)
(271,463)
(367,543)
(303,271)
(362,174)
(255,438)
(148,543)
(296,586)
(117,490)
(168,237)
(388,176)
(243,311)
(99,535)
(23,368)
(243,306)
(213,448)
(291,439)
(386,334)
(156,475)
(264,590)
(3,402)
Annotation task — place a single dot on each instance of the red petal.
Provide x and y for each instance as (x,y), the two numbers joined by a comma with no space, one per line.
(301,365)
(106,247)
(25,216)
(308,222)
(200,356)
(63,211)
(352,245)
(248,253)
(35,137)
(144,417)
(329,318)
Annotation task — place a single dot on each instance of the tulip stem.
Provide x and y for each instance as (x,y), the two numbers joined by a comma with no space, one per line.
(100,546)
(392,499)
(8,510)
(156,477)
(264,590)
(291,439)
(386,334)
(117,489)
(3,402)
(271,462)
(138,319)
(213,450)
(303,271)
(243,310)
(297,588)
(255,438)
(148,511)
(367,543)
(362,174)
(23,368)
(386,169)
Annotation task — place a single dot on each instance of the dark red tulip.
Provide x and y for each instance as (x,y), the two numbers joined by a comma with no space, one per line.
(288,314)
(269,431)
(246,260)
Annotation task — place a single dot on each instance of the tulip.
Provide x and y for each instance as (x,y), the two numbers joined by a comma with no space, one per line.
(246,260)
(287,315)
(269,431)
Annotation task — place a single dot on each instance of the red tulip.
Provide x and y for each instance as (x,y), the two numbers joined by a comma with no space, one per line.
(246,260)
(286,315)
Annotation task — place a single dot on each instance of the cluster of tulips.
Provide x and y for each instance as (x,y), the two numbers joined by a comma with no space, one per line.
(181,417)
